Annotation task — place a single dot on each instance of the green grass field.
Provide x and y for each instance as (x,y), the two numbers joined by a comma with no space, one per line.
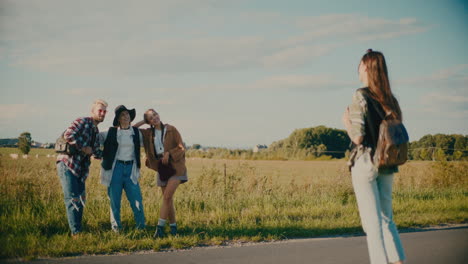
(253,201)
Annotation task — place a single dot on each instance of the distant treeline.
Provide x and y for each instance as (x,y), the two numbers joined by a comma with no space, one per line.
(324,143)
(8,142)
(303,144)
(440,147)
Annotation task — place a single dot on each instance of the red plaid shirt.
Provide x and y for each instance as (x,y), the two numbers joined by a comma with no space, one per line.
(81,133)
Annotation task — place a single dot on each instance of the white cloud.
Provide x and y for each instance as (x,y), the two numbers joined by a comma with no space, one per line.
(297,82)
(452,104)
(436,112)
(16,112)
(443,93)
(296,55)
(288,81)
(157,37)
(355,27)
(456,72)
(437,97)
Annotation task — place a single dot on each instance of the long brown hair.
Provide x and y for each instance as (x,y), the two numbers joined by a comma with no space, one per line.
(379,84)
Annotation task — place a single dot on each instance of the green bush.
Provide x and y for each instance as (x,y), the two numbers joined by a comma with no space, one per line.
(24,142)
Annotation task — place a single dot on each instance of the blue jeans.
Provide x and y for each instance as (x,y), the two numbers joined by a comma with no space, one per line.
(121,181)
(374,198)
(74,195)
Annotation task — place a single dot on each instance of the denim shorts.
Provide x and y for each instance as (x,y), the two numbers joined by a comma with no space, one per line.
(183,179)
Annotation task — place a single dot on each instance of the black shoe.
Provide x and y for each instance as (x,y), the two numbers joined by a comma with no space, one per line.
(173,230)
(159,232)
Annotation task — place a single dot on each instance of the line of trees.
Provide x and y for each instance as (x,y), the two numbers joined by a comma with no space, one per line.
(303,144)
(440,147)
(314,142)
(320,143)
(327,143)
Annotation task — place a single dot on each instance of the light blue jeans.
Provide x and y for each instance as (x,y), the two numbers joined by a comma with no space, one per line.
(374,198)
(74,194)
(121,181)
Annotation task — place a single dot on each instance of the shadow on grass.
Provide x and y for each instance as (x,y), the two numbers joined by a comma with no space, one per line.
(208,232)
(266,233)
(260,233)
(195,236)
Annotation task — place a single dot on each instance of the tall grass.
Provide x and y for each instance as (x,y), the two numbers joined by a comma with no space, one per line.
(224,200)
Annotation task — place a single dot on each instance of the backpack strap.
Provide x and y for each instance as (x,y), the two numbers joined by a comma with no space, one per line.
(370,123)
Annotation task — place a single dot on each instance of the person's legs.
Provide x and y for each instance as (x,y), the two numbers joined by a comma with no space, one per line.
(134,197)
(392,240)
(367,197)
(115,196)
(167,208)
(74,197)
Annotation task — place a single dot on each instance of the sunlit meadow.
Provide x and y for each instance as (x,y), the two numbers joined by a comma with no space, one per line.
(224,201)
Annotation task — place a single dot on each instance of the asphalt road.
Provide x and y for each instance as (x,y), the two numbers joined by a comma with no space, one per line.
(444,246)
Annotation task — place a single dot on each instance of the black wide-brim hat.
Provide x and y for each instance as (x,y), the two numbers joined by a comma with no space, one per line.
(119,109)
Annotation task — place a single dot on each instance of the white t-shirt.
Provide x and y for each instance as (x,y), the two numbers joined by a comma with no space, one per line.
(158,144)
(126,150)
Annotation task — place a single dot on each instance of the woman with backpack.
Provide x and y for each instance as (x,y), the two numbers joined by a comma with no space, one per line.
(165,153)
(373,183)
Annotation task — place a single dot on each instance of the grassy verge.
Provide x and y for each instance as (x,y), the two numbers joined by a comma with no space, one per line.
(253,201)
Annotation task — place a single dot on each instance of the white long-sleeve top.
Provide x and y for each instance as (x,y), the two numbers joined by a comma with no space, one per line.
(125,152)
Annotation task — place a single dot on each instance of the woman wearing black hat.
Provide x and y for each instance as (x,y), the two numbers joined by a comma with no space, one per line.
(121,166)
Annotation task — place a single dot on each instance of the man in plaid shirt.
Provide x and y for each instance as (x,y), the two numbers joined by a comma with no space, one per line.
(73,169)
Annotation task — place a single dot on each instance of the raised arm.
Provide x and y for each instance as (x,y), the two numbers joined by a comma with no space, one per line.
(139,123)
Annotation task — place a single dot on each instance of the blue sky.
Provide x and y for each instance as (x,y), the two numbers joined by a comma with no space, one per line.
(228,73)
